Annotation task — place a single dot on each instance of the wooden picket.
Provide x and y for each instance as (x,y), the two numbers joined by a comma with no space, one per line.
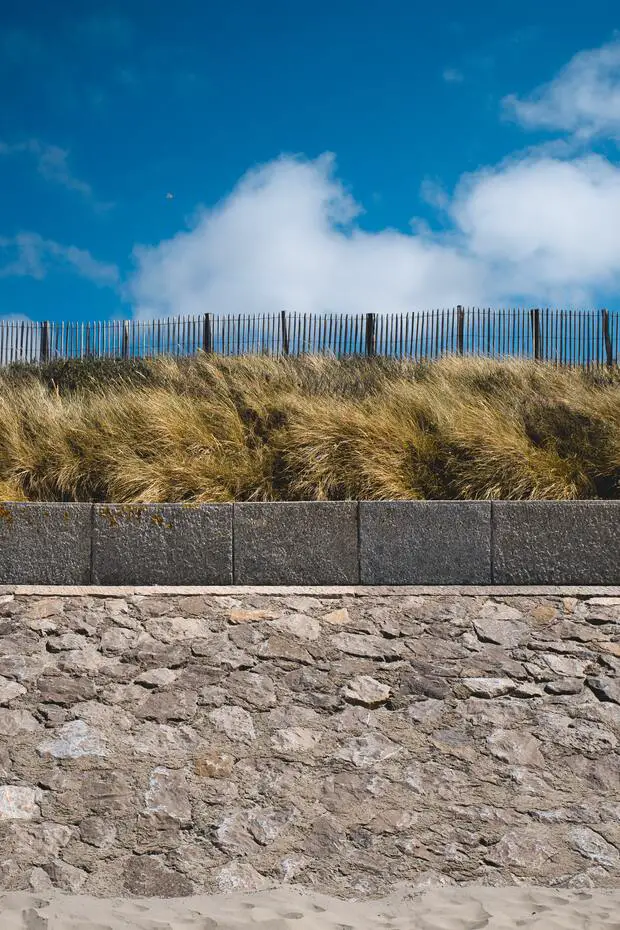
(588,338)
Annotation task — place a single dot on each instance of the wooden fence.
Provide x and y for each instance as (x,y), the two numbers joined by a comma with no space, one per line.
(587,338)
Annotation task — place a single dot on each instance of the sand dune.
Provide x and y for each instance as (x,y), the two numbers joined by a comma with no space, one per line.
(290,909)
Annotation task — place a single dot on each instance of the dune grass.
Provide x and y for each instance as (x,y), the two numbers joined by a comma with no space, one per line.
(310,428)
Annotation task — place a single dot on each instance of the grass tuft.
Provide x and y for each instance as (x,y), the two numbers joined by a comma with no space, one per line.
(310,428)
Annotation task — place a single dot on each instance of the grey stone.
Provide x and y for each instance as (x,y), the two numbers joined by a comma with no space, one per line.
(107,793)
(298,625)
(524,850)
(97,831)
(65,642)
(233,836)
(9,690)
(565,665)
(174,544)
(118,641)
(556,542)
(267,824)
(157,678)
(326,839)
(74,740)
(167,795)
(425,542)
(516,747)
(211,696)
(18,803)
(593,846)
(293,740)
(605,689)
(500,630)
(168,705)
(65,689)
(525,689)
(253,689)
(366,691)
(281,647)
(411,683)
(360,644)
(486,687)
(368,750)
(147,876)
(296,543)
(13,722)
(235,722)
(565,686)
(171,630)
(45,544)
(159,741)
(39,881)
(240,876)
(66,876)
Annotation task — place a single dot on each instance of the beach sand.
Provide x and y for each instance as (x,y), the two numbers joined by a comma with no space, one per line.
(455,908)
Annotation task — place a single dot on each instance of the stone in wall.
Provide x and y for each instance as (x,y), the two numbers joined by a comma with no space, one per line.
(167,744)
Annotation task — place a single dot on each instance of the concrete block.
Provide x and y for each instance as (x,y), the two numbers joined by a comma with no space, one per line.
(45,543)
(425,542)
(162,544)
(296,543)
(556,542)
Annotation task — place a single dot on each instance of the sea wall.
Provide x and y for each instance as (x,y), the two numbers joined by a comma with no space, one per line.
(313,543)
(164,744)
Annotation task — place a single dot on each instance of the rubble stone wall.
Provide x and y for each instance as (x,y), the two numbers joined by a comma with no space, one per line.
(165,744)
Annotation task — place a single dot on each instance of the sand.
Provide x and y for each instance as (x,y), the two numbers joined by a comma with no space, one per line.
(461,908)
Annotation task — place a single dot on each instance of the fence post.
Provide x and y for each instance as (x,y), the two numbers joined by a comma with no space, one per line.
(371,333)
(44,346)
(207,336)
(607,337)
(460,329)
(125,338)
(284,331)
(535,318)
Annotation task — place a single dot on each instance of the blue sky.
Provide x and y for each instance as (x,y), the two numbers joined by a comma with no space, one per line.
(329,156)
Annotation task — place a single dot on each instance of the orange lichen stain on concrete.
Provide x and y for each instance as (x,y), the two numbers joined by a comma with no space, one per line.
(157,519)
(115,515)
(6,514)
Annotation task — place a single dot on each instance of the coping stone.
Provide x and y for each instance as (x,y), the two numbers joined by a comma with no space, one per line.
(296,543)
(556,542)
(425,542)
(45,543)
(167,544)
(324,591)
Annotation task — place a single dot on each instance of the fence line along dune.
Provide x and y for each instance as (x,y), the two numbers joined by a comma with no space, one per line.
(589,338)
(308,428)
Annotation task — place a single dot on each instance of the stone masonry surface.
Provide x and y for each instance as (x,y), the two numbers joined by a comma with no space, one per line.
(165,744)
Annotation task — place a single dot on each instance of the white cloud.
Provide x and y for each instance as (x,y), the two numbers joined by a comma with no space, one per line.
(538,228)
(52,163)
(544,226)
(452,76)
(30,255)
(287,238)
(583,99)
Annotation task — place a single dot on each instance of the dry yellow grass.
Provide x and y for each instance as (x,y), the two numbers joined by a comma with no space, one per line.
(255,428)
